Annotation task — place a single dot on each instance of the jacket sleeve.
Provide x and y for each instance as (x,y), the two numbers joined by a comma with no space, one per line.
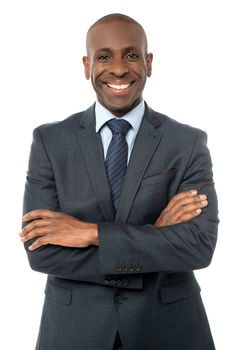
(81,264)
(127,248)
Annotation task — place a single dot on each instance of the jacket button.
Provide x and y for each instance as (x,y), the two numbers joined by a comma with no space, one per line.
(125,282)
(138,268)
(131,268)
(119,299)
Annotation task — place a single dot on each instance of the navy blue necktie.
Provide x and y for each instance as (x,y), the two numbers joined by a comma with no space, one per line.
(116,158)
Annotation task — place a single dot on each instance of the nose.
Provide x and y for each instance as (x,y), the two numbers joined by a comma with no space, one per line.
(118,67)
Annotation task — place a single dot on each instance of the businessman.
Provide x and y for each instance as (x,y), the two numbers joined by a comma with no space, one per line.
(119,209)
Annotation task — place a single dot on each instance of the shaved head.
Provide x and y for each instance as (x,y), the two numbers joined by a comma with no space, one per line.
(115,17)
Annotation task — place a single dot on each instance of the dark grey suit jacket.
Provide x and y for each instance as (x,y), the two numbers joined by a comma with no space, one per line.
(139,280)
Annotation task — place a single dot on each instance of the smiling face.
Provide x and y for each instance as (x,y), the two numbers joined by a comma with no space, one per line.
(118,64)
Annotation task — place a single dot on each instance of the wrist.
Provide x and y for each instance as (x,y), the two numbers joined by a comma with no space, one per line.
(93,235)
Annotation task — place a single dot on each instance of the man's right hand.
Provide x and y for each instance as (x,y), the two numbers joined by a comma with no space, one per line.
(183,207)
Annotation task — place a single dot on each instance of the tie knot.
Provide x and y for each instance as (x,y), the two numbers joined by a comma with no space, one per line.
(119,126)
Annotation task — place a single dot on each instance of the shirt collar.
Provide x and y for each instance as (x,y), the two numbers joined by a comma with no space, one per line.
(134,117)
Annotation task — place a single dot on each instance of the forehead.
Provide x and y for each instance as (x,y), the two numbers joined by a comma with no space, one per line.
(116,35)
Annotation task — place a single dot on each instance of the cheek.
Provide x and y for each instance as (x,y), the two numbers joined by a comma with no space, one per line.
(141,71)
(95,72)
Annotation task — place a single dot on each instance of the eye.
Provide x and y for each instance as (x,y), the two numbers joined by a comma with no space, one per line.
(103,58)
(132,57)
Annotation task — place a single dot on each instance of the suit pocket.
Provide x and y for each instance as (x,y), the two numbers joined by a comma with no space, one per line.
(163,176)
(58,294)
(180,290)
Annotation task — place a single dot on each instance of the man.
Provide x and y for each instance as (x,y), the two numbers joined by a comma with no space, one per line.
(116,212)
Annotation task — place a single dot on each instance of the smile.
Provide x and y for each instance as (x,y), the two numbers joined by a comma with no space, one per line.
(119,86)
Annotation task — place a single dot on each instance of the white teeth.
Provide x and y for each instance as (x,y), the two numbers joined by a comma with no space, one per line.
(119,87)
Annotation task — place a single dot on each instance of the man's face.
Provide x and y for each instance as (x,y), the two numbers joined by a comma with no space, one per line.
(117,64)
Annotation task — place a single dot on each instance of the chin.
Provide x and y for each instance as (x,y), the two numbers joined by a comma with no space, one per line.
(120,108)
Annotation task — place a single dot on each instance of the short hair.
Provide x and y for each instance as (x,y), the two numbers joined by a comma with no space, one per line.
(116,17)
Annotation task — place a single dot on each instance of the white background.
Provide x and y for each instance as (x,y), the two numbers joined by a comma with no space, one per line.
(42,80)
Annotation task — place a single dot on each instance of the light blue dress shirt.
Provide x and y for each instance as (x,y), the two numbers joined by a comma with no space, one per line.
(134,117)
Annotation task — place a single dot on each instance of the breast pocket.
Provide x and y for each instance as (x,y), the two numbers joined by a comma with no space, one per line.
(161,177)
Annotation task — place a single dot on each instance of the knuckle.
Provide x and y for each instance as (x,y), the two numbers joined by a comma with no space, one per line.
(182,209)
(181,220)
(181,202)
(58,215)
(195,199)
(25,230)
(39,241)
(165,212)
(34,223)
(176,216)
(178,196)
(35,232)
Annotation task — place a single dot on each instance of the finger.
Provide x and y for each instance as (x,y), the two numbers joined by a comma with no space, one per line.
(32,225)
(38,232)
(181,196)
(39,243)
(183,209)
(39,214)
(189,200)
(189,216)
(182,214)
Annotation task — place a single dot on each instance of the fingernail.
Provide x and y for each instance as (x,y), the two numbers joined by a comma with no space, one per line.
(202,196)
(198,211)
(204,202)
(30,248)
(193,192)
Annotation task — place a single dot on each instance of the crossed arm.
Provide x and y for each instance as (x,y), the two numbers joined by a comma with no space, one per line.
(57,228)
(183,237)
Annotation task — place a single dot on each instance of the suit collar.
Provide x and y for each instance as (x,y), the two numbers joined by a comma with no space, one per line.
(87,119)
(134,116)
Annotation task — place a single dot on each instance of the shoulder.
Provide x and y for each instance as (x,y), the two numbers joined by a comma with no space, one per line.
(58,126)
(68,125)
(175,129)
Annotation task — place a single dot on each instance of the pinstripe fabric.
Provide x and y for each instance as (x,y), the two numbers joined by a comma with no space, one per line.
(116,158)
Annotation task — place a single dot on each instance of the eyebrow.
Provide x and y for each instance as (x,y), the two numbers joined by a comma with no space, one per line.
(126,49)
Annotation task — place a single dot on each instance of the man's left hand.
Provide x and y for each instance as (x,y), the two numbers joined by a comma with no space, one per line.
(58,228)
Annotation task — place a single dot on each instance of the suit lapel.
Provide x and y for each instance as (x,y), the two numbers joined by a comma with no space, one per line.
(92,150)
(146,142)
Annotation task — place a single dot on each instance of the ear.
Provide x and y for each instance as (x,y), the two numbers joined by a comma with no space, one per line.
(149,59)
(86,67)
